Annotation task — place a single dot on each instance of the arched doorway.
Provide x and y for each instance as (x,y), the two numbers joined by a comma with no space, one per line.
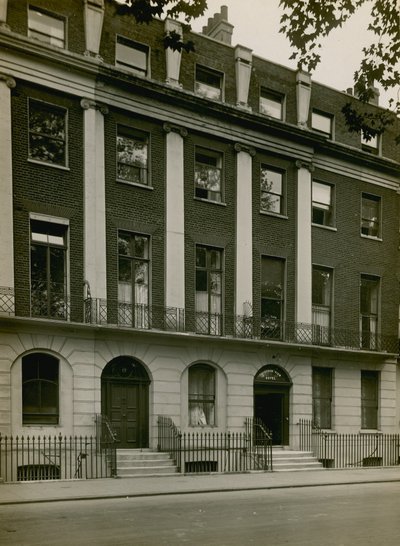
(271,401)
(125,401)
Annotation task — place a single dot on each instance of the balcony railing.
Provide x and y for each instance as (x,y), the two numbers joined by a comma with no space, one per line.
(172,319)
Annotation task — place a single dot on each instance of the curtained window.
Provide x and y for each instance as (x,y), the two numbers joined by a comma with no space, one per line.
(201,395)
(322,397)
(369,399)
(133,279)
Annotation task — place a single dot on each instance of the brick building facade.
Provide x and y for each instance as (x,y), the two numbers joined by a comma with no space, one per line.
(196,236)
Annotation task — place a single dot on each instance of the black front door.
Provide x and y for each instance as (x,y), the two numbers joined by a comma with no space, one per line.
(126,408)
(271,405)
(125,401)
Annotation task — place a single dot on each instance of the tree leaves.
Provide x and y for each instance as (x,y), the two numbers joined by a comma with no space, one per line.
(307,22)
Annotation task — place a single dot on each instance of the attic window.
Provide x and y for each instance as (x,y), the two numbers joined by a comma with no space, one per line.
(208,83)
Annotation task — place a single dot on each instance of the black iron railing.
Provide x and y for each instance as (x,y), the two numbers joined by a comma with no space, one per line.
(349,450)
(26,458)
(172,319)
(199,452)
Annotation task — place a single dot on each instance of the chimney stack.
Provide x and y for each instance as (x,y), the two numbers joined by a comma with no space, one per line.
(218,27)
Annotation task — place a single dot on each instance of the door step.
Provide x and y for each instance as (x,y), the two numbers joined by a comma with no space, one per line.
(143,462)
(291,460)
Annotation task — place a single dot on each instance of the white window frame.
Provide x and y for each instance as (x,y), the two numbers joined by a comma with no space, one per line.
(50,15)
(50,106)
(275,98)
(282,195)
(132,133)
(61,221)
(317,115)
(198,84)
(134,46)
(219,157)
(377,199)
(331,209)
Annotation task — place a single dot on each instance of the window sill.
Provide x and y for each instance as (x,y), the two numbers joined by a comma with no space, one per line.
(135,184)
(329,228)
(328,431)
(274,215)
(371,237)
(370,431)
(46,164)
(210,201)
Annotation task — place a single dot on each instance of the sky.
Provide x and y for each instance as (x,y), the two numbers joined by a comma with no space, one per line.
(256,25)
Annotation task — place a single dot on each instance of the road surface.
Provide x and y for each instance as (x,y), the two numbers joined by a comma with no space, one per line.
(352,515)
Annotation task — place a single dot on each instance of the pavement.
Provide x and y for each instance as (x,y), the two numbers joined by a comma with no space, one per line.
(177,484)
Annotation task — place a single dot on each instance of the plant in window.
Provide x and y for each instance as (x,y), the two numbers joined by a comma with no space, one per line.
(132,158)
(271,190)
(47,133)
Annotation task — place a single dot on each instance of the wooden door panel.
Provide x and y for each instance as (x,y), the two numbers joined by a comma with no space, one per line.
(127,410)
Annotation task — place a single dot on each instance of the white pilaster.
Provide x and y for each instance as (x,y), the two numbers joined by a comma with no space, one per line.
(175,224)
(173,58)
(303,244)
(3,14)
(6,186)
(244,228)
(95,200)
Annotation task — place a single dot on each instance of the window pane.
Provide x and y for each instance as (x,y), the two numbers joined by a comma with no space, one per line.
(369,399)
(271,105)
(322,397)
(370,220)
(201,395)
(201,256)
(369,295)
(321,286)
(201,281)
(132,55)
(271,190)
(321,122)
(272,277)
(321,193)
(46,28)
(208,84)
(46,133)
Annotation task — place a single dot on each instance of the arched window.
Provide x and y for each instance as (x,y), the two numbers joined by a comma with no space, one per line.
(40,404)
(201,395)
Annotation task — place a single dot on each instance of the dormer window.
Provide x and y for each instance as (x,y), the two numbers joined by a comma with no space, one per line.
(271,104)
(208,83)
(321,122)
(132,56)
(46,27)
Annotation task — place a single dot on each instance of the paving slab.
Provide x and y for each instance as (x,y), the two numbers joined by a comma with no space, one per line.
(59,490)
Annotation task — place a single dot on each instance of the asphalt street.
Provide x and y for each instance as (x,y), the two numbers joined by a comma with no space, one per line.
(338,515)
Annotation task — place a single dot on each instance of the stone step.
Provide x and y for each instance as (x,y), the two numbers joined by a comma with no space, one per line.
(292,467)
(143,462)
(146,471)
(150,455)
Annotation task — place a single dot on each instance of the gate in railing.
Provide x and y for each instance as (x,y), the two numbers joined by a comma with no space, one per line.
(26,458)
(195,452)
(349,450)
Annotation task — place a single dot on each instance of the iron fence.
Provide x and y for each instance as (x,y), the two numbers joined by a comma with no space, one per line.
(199,452)
(350,450)
(99,311)
(26,458)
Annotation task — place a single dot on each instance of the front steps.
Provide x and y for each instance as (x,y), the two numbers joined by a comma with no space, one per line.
(285,459)
(143,462)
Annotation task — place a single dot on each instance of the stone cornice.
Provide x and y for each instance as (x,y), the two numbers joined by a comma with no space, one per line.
(101,74)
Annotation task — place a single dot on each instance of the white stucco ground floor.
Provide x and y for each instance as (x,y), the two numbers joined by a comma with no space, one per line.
(55,378)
